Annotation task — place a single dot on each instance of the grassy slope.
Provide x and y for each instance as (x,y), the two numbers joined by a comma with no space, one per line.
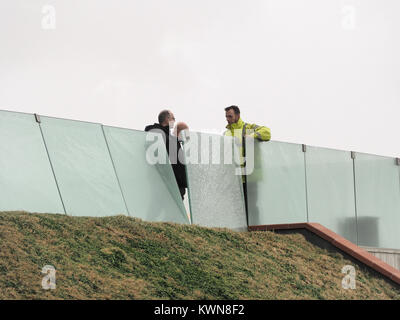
(125,258)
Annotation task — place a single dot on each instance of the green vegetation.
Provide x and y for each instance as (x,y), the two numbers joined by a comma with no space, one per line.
(125,258)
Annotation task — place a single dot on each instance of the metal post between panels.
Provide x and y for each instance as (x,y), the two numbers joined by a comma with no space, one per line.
(38,120)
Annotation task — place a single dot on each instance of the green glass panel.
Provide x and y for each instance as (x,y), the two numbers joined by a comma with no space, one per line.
(276,188)
(330,190)
(150,190)
(26,179)
(378,201)
(215,190)
(83,168)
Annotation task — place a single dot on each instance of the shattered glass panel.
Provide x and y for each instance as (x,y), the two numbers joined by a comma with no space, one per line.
(215,183)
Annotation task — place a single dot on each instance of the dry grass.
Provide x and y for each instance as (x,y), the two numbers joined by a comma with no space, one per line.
(125,258)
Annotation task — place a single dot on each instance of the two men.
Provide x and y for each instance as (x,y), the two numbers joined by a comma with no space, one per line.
(166,121)
(236,127)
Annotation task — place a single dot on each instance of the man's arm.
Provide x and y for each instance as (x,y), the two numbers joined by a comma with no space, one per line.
(260,132)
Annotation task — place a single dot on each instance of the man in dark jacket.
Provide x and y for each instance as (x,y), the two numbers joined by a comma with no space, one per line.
(165,123)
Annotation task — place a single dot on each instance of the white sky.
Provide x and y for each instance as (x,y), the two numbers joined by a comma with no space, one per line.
(319,72)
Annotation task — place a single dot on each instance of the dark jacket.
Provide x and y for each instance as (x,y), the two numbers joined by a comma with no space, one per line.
(170,140)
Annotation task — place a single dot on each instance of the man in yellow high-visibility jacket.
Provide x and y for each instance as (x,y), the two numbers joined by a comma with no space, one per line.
(232,115)
(239,129)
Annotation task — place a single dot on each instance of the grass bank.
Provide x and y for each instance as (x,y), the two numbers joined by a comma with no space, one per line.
(126,258)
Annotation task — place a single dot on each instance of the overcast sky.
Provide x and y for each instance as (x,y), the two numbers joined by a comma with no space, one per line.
(319,72)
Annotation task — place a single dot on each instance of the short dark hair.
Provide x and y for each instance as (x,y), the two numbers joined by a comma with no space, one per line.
(234,108)
(163,116)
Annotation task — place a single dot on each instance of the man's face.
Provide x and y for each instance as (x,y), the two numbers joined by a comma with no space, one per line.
(231,117)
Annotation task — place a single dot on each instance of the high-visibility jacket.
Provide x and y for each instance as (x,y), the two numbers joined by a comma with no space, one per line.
(260,132)
(240,129)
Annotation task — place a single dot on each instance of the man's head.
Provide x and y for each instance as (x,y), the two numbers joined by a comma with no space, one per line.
(166,118)
(232,114)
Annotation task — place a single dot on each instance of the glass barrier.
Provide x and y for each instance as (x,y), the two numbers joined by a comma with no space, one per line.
(101,171)
(26,180)
(83,167)
(330,190)
(276,189)
(378,201)
(215,188)
(150,190)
